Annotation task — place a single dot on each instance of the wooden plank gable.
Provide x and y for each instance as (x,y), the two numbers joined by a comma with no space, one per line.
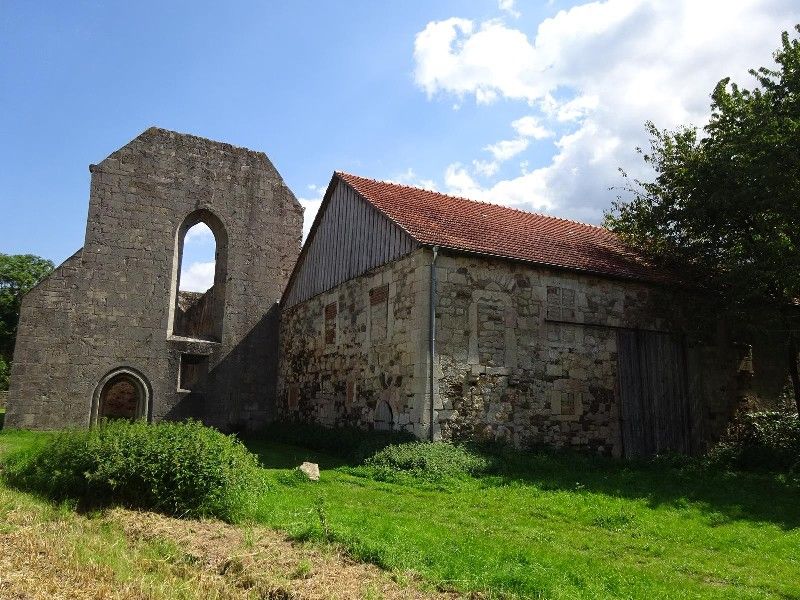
(349,237)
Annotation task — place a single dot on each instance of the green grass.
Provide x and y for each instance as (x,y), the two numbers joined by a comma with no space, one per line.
(549,526)
(555,527)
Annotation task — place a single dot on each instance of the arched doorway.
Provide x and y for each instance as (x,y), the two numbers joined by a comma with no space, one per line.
(119,398)
(122,394)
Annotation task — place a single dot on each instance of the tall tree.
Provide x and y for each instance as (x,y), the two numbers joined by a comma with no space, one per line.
(724,206)
(18,274)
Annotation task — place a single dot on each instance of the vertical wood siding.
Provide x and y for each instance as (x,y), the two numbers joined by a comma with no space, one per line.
(655,407)
(352,237)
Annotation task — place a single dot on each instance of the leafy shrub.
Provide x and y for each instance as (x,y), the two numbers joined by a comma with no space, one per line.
(5,373)
(428,460)
(182,469)
(349,443)
(767,440)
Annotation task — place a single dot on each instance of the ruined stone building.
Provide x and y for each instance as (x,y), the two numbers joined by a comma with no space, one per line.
(405,309)
(108,335)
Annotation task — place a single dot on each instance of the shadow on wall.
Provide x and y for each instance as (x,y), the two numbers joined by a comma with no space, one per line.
(238,393)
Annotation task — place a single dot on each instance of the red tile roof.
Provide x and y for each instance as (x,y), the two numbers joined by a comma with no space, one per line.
(437,219)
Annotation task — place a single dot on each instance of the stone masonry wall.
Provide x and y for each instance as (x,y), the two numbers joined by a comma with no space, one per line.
(111,305)
(347,354)
(524,354)
(528,355)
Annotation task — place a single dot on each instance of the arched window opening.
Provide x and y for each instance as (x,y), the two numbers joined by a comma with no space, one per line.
(199,277)
(199,260)
(384,417)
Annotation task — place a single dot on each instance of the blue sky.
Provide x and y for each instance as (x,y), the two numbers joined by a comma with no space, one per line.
(531,104)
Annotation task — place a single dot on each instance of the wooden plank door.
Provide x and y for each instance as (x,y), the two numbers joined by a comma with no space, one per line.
(655,412)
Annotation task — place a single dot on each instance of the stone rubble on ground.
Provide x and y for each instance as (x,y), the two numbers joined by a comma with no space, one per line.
(310,470)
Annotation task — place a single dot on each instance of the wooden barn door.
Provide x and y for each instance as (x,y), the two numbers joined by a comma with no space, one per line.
(654,399)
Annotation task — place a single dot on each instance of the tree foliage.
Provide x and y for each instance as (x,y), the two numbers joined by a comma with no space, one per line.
(18,274)
(724,206)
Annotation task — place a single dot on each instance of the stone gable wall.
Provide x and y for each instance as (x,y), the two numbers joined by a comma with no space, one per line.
(110,306)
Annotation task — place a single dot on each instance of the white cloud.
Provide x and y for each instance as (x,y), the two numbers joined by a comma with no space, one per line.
(487,168)
(493,61)
(410,177)
(594,74)
(530,127)
(310,208)
(572,110)
(526,193)
(197,277)
(506,149)
(459,182)
(507,6)
(199,234)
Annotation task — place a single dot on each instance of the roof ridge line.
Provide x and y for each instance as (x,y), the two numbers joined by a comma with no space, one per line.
(474,201)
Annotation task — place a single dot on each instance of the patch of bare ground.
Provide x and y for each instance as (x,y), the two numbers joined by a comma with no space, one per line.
(130,554)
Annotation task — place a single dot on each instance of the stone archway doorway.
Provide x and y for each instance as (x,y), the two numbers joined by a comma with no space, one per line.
(122,394)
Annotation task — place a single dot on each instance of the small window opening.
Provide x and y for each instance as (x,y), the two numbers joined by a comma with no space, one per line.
(378,311)
(293,400)
(193,371)
(384,417)
(330,323)
(560,303)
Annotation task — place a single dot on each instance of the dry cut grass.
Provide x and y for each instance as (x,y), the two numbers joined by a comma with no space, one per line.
(52,552)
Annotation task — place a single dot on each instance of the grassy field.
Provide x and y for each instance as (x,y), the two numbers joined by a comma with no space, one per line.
(546,526)
(53,551)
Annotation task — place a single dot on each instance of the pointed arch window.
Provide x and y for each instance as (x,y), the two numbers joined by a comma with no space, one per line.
(198,283)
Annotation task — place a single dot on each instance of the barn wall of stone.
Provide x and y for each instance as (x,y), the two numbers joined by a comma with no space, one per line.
(347,354)
(111,306)
(524,354)
(516,361)
(529,355)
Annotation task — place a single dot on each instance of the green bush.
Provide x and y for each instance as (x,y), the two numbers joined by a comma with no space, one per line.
(182,469)
(768,440)
(432,461)
(5,373)
(349,443)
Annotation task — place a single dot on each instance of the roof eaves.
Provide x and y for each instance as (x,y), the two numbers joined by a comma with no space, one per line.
(621,276)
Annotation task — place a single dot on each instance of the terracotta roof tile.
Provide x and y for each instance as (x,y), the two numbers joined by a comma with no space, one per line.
(472,226)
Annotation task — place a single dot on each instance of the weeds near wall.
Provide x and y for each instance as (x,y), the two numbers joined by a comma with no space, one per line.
(762,441)
(432,461)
